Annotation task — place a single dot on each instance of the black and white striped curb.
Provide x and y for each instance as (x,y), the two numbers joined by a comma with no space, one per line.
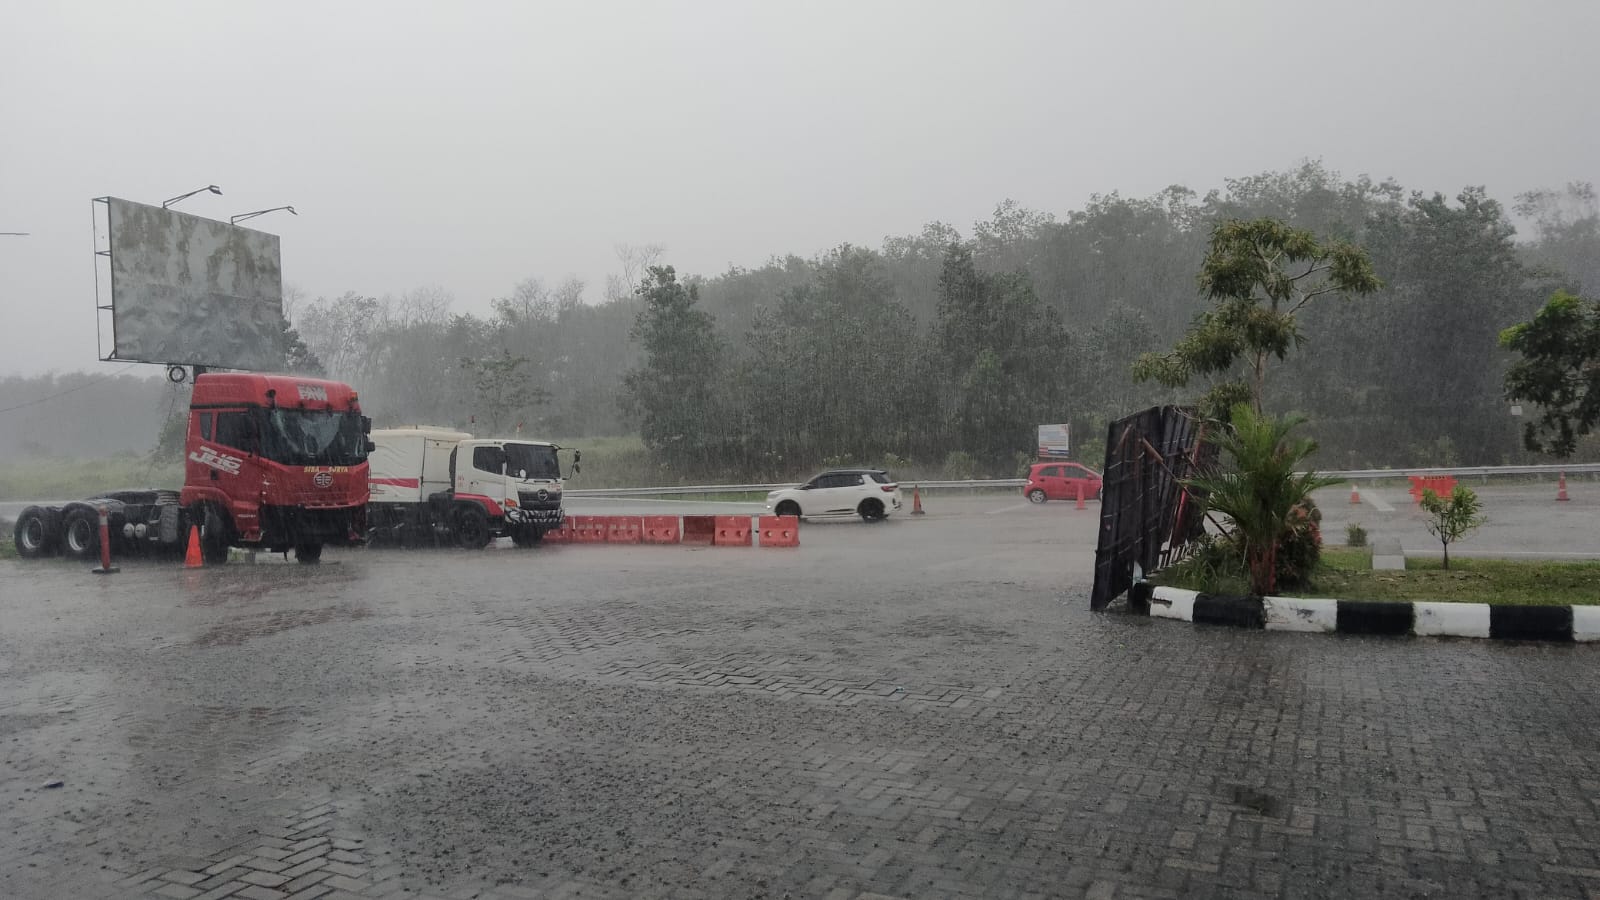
(1477,620)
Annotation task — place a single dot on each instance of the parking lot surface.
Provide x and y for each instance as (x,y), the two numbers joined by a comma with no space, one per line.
(919,708)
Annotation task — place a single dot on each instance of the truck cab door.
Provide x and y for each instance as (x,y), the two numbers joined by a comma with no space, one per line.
(483,473)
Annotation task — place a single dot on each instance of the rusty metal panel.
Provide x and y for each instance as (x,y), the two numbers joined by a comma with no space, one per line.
(187,290)
(1146,516)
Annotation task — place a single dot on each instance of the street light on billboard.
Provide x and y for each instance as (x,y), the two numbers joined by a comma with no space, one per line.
(210,187)
(260,212)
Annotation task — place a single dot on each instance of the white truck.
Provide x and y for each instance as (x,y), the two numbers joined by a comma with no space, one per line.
(438,485)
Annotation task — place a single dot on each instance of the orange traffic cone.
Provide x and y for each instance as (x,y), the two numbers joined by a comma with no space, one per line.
(1080,496)
(1561,488)
(1355,495)
(916,500)
(193,559)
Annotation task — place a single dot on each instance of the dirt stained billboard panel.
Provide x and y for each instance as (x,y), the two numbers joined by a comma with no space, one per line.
(187,290)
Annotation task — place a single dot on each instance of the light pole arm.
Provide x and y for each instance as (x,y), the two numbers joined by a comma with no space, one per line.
(234,220)
(210,187)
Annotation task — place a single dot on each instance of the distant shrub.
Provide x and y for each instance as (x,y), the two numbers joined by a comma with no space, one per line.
(959,465)
(1355,535)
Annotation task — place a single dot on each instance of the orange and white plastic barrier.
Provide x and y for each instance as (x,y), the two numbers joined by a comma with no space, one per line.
(662,530)
(732,531)
(779,531)
(624,529)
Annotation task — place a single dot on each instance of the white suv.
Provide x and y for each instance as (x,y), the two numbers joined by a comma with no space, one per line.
(868,493)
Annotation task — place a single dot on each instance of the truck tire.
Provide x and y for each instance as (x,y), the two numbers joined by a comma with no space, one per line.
(472,527)
(526,535)
(33,533)
(307,554)
(80,534)
(214,539)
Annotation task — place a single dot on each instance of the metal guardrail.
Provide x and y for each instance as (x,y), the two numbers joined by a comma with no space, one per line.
(679,490)
(1470,471)
(1003,483)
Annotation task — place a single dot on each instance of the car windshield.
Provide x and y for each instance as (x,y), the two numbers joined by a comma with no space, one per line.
(303,437)
(538,460)
(882,478)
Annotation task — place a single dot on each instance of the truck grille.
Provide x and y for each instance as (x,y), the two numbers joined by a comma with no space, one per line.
(531,500)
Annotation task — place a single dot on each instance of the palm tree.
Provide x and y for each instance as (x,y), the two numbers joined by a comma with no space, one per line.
(1263,490)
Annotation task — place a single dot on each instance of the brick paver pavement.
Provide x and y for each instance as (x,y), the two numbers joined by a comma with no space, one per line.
(919,709)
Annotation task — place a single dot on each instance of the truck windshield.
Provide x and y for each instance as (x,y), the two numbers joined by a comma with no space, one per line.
(303,437)
(537,460)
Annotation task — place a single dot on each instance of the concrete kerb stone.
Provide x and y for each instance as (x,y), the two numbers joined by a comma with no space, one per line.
(1328,616)
(1388,555)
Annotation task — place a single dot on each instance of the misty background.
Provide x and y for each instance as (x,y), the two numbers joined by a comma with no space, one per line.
(483,189)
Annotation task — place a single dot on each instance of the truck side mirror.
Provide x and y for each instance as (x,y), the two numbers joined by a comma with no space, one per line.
(366,425)
(368,446)
(577,456)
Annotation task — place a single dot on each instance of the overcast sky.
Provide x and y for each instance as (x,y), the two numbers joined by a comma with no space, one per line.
(469,145)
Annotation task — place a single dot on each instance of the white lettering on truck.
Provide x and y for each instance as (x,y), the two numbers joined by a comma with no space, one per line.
(312,392)
(216,460)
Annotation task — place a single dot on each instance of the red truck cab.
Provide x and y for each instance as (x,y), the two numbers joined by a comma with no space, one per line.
(275,462)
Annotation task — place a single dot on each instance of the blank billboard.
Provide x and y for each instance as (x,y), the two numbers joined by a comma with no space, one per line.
(186,290)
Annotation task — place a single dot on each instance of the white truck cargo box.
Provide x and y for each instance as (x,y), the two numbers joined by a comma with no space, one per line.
(408,464)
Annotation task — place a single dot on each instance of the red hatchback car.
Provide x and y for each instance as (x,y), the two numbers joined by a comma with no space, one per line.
(1061,481)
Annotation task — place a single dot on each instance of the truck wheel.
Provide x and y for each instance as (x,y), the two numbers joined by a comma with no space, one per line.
(81,534)
(32,534)
(214,537)
(472,528)
(526,535)
(306,554)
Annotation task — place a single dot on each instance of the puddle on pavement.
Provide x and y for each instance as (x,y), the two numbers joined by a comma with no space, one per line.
(1258,802)
(236,632)
(246,583)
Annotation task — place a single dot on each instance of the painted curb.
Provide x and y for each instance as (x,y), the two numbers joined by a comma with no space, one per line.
(1327,616)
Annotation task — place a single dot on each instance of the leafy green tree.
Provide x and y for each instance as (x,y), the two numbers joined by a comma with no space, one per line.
(502,387)
(1559,370)
(297,357)
(1566,230)
(1451,519)
(1006,359)
(339,333)
(1262,491)
(830,369)
(1260,274)
(674,392)
(1457,279)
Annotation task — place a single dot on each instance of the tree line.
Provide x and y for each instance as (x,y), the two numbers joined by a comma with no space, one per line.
(946,348)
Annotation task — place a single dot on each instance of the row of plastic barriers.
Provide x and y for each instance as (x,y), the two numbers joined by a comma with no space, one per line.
(715,531)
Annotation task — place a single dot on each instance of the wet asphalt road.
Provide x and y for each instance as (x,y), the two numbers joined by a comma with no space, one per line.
(921,708)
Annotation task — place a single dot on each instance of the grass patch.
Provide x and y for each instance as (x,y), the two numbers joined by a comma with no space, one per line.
(1347,574)
(70,479)
(1522,582)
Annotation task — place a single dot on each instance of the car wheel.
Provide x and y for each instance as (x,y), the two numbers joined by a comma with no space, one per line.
(1037,495)
(872,511)
(31,533)
(526,535)
(472,528)
(307,554)
(788,508)
(81,534)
